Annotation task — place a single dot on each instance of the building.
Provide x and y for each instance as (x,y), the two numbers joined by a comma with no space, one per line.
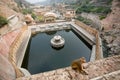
(66,10)
(41,10)
(69,14)
(50,17)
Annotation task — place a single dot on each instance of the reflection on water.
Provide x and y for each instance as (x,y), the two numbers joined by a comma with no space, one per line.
(51,32)
(42,57)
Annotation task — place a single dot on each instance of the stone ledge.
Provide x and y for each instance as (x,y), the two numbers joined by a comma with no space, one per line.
(111,76)
(94,69)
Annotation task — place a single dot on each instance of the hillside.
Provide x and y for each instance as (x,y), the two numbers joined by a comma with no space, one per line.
(111,32)
(105,14)
(22,2)
(50,2)
(109,13)
(7,8)
(113,18)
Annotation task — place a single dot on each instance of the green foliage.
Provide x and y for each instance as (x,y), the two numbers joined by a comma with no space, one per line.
(40,18)
(80,18)
(33,16)
(109,2)
(3,21)
(102,17)
(94,9)
(84,20)
(27,11)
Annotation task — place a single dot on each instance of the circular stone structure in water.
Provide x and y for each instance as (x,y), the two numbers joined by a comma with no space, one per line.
(57,41)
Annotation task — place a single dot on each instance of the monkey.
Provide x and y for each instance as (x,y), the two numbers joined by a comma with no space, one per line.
(77,65)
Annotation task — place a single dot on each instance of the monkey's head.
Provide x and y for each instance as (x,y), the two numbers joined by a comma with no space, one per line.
(77,64)
(83,60)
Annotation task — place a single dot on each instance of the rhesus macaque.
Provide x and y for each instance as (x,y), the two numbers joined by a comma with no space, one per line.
(77,65)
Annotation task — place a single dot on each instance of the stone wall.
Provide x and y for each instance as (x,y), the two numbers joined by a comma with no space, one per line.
(14,48)
(93,70)
(4,29)
(6,40)
(96,34)
(9,44)
(13,20)
(87,28)
(99,53)
(7,71)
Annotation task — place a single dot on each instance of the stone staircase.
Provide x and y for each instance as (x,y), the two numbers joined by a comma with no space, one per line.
(14,48)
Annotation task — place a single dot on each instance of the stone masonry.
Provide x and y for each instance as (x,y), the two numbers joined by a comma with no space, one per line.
(93,69)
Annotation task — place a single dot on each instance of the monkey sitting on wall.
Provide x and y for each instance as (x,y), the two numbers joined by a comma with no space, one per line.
(77,65)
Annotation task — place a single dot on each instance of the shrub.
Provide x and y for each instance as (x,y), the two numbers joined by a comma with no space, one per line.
(3,21)
(84,20)
(80,18)
(27,11)
(94,9)
(34,16)
(40,18)
(109,2)
(102,17)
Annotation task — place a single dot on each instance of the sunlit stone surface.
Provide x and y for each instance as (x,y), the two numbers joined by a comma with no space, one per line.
(57,41)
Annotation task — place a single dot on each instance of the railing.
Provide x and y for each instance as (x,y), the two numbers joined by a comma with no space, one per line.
(92,32)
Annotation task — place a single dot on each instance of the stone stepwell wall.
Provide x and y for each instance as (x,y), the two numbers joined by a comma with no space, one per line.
(94,69)
(14,48)
(7,71)
(9,43)
(6,40)
(94,32)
